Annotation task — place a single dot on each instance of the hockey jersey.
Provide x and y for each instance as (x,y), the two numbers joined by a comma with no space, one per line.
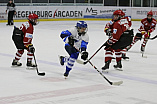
(81,41)
(119,27)
(27,29)
(147,26)
(127,23)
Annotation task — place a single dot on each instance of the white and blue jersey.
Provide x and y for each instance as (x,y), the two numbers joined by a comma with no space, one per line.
(81,41)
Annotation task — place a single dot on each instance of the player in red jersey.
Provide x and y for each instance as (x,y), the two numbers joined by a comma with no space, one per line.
(22,38)
(147,26)
(109,29)
(119,39)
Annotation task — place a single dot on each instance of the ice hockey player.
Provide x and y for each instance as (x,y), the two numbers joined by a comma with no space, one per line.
(109,29)
(76,40)
(120,38)
(22,38)
(147,27)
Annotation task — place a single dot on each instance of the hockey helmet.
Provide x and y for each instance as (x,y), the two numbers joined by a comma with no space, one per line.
(81,27)
(33,18)
(117,15)
(123,14)
(118,12)
(150,13)
(81,24)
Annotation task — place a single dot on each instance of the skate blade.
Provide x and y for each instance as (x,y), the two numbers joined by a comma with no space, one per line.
(144,56)
(31,68)
(119,69)
(104,71)
(65,77)
(15,66)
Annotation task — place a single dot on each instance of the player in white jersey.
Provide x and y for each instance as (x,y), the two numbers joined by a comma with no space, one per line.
(76,40)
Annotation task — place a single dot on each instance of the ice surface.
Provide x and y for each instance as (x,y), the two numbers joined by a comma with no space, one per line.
(84,84)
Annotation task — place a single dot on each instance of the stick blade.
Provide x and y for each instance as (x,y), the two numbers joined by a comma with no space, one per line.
(117,83)
(41,74)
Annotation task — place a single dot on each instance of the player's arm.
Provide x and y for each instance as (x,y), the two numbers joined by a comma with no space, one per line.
(27,40)
(153,26)
(67,37)
(108,28)
(84,53)
(117,31)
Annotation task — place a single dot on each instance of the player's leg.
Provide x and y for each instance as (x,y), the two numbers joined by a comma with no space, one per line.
(29,59)
(71,60)
(118,58)
(136,38)
(18,56)
(108,58)
(143,45)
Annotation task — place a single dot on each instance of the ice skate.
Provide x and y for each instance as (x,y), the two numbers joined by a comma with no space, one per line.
(118,66)
(16,63)
(30,65)
(61,59)
(142,49)
(66,74)
(107,63)
(124,56)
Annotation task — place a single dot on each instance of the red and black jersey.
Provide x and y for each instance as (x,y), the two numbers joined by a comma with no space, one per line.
(119,27)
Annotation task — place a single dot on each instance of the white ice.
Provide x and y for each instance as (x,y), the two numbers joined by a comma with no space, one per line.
(84,84)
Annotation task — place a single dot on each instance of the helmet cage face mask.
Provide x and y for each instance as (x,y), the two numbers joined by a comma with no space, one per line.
(82,30)
(35,21)
(81,27)
(33,18)
(116,17)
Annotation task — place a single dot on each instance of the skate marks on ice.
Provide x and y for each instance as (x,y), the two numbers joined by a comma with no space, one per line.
(143,54)
(53,94)
(91,71)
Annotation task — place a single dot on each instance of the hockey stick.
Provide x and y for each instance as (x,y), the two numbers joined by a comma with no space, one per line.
(93,54)
(41,74)
(153,37)
(111,83)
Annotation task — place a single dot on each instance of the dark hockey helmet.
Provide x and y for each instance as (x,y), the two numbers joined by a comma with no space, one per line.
(81,27)
(33,18)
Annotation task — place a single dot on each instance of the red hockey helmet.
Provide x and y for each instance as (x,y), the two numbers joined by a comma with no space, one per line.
(150,13)
(118,12)
(33,18)
(117,15)
(123,14)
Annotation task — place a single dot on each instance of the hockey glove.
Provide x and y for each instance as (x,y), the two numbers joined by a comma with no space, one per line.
(151,30)
(146,36)
(71,41)
(108,32)
(31,48)
(84,55)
